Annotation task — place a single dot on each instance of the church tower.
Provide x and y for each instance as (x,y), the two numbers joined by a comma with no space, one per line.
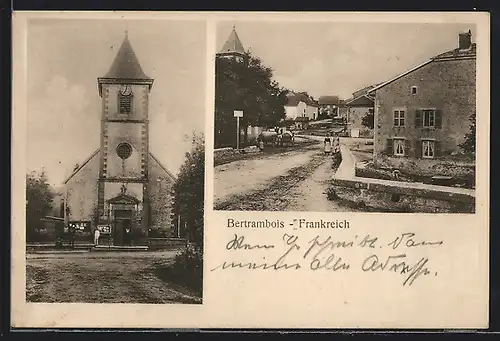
(122,189)
(233,48)
(124,152)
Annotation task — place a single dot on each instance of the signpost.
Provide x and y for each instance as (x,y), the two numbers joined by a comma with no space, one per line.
(79,225)
(104,229)
(238,114)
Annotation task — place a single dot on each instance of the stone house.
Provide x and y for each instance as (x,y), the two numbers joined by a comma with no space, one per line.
(329,105)
(301,105)
(121,187)
(357,109)
(423,114)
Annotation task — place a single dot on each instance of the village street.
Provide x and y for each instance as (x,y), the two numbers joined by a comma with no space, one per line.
(102,277)
(290,181)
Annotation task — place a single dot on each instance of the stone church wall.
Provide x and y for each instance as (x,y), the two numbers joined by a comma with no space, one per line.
(139,101)
(81,191)
(124,132)
(160,194)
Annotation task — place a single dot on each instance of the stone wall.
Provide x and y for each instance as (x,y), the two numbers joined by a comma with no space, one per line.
(224,152)
(428,167)
(390,196)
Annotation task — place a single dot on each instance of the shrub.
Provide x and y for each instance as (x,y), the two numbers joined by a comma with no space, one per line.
(331,194)
(187,269)
(337,159)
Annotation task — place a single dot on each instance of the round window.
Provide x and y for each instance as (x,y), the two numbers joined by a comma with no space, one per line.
(124,150)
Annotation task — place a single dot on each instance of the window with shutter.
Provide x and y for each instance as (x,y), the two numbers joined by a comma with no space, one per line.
(399,147)
(437,148)
(429,118)
(418,148)
(407,147)
(390,148)
(438,119)
(418,118)
(428,149)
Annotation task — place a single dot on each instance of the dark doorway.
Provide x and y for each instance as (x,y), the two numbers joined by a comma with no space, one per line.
(122,227)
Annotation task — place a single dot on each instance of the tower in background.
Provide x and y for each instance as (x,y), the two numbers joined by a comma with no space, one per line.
(233,48)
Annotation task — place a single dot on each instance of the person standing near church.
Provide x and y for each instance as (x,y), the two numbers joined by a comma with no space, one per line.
(96,236)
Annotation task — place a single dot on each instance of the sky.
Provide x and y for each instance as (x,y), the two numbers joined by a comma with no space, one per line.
(339,58)
(66,56)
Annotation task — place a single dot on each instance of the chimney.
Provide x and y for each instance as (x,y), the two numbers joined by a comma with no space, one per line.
(464,40)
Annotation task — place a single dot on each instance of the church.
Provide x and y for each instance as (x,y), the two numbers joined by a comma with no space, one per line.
(121,189)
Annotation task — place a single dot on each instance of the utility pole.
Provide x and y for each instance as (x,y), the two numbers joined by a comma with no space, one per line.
(178,226)
(238,114)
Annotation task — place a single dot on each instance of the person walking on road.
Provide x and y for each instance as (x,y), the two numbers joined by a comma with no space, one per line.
(327,145)
(336,144)
(96,237)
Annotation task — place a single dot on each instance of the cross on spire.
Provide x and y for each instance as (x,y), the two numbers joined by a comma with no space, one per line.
(233,44)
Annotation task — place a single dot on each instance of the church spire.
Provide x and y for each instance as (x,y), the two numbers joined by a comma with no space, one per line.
(233,45)
(126,65)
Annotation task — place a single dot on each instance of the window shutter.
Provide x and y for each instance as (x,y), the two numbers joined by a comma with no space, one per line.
(437,148)
(418,118)
(418,148)
(407,147)
(438,119)
(390,147)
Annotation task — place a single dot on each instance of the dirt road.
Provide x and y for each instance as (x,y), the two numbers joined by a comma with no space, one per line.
(253,174)
(294,181)
(102,277)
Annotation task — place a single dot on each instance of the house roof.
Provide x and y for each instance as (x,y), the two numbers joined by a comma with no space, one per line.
(293,99)
(97,151)
(233,44)
(302,119)
(360,100)
(455,54)
(458,54)
(329,100)
(364,90)
(126,65)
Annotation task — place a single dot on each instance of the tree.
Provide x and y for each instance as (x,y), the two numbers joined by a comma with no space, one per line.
(469,144)
(369,119)
(189,191)
(39,199)
(249,87)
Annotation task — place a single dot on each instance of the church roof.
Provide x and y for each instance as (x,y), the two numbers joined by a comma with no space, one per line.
(233,44)
(172,176)
(126,65)
(169,173)
(81,166)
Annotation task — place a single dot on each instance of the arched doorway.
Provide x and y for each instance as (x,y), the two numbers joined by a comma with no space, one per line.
(124,210)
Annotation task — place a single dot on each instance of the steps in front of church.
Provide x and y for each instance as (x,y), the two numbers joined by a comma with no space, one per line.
(125,248)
